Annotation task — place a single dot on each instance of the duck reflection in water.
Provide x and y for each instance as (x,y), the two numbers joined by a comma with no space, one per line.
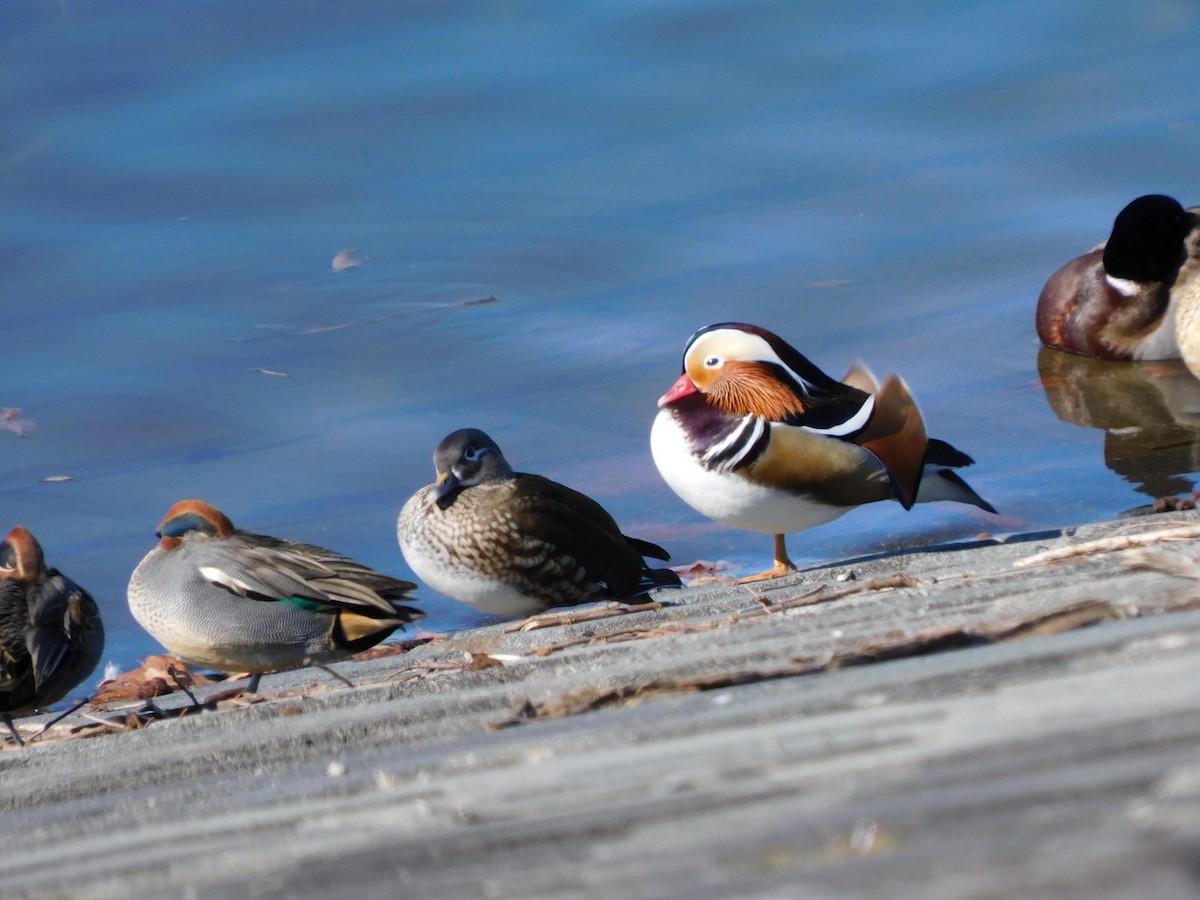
(1149,412)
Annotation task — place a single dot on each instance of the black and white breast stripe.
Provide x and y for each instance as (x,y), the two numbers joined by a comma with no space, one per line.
(739,445)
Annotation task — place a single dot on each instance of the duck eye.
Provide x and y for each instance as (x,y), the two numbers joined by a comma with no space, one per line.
(474,454)
(712,362)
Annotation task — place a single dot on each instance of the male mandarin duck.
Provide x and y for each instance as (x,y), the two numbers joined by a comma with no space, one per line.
(513,544)
(757,437)
(236,601)
(51,636)
(1120,300)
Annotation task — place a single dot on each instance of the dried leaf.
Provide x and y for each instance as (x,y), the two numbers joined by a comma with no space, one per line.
(161,674)
(12,420)
(395,648)
(347,259)
(479,661)
(701,568)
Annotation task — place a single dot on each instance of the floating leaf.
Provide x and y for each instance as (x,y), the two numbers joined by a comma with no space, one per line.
(347,259)
(12,420)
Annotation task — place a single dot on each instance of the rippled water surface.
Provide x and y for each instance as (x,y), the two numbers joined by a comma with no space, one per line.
(892,185)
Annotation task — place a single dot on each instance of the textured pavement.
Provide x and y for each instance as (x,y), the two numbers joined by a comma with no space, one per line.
(962,722)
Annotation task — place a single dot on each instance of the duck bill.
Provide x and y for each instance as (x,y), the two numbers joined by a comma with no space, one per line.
(445,488)
(680,388)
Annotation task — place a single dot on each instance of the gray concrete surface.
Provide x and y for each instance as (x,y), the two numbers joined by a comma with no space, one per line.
(944,724)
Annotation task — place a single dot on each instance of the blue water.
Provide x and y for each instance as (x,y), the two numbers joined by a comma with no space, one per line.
(892,184)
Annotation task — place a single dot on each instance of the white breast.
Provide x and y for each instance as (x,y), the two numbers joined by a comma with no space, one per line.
(467,586)
(1163,342)
(428,555)
(728,497)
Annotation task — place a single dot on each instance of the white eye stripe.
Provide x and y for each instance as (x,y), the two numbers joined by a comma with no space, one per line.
(745,346)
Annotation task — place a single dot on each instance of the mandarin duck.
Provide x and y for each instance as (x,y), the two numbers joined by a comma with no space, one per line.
(236,601)
(51,636)
(755,436)
(1120,300)
(512,544)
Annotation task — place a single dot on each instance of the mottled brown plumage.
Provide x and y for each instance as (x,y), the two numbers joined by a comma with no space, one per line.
(515,544)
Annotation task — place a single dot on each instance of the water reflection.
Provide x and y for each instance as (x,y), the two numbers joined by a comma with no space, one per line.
(1149,413)
(175,183)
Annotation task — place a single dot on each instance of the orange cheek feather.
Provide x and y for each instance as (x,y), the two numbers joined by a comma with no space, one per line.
(749,388)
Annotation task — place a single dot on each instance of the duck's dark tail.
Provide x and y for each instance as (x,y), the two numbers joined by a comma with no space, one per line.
(653,578)
(940,482)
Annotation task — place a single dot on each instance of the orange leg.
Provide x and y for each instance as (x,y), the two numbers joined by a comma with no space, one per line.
(783,563)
